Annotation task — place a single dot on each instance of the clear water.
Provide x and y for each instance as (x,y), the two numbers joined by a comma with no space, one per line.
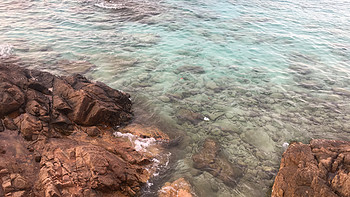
(274,71)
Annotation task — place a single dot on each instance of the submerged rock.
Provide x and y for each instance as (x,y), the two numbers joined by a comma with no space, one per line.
(191,69)
(75,67)
(180,187)
(320,169)
(260,139)
(210,160)
(66,145)
(189,116)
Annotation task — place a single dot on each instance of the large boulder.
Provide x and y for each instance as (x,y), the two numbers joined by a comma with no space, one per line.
(320,169)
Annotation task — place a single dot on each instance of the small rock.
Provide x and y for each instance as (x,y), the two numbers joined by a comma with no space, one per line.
(7,186)
(52,191)
(92,131)
(214,116)
(211,85)
(4,171)
(165,99)
(9,124)
(20,183)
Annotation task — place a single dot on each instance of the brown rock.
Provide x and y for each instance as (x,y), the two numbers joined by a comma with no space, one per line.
(93,104)
(316,169)
(180,187)
(145,131)
(20,183)
(89,167)
(36,109)
(11,98)
(29,125)
(7,186)
(52,191)
(210,159)
(9,124)
(92,131)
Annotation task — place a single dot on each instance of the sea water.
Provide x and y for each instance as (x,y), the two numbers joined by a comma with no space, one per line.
(262,73)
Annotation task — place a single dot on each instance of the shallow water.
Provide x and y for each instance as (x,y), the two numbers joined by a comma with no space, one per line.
(263,72)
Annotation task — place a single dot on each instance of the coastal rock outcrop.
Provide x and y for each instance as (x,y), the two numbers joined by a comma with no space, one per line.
(57,137)
(211,160)
(321,168)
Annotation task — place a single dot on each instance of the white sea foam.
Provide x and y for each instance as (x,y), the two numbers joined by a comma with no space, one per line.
(285,145)
(6,50)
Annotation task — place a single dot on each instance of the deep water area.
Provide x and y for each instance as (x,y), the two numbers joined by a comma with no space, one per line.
(253,75)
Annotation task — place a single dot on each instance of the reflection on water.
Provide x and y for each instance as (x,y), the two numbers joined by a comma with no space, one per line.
(252,75)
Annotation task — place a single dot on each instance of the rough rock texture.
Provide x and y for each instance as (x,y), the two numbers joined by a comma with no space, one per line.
(180,187)
(56,137)
(210,159)
(145,131)
(318,169)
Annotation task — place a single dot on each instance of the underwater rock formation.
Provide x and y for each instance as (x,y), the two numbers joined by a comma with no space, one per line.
(210,160)
(57,137)
(180,187)
(321,168)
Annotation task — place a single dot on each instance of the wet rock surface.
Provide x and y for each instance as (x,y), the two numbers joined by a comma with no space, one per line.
(57,137)
(180,187)
(320,168)
(211,160)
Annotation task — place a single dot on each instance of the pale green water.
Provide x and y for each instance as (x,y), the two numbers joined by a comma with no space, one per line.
(274,71)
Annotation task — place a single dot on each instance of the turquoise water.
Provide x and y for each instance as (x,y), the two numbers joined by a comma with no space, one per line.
(263,72)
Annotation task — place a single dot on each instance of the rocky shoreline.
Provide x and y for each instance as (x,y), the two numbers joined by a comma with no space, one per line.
(69,136)
(57,137)
(319,169)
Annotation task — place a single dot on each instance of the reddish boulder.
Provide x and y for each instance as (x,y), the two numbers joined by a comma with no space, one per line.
(320,169)
(180,187)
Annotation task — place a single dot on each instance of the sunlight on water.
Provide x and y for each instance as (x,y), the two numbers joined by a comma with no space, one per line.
(259,73)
